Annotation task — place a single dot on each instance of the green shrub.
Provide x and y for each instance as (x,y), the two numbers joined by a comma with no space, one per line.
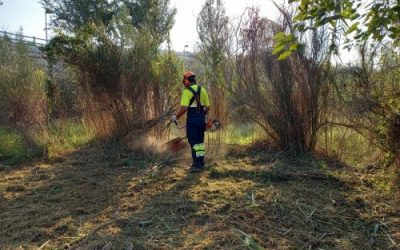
(68,136)
(14,149)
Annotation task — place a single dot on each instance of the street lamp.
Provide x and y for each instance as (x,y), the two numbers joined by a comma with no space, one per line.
(184,50)
(46,11)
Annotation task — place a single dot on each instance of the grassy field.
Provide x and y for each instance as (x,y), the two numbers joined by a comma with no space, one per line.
(106,198)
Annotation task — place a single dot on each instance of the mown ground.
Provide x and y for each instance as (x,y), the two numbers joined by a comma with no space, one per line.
(105,199)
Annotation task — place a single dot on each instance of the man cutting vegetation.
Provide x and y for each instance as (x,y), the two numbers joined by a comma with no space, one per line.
(196,103)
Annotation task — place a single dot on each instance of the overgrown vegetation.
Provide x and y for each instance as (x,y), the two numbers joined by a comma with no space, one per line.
(283,97)
(308,157)
(214,32)
(23,88)
(117,60)
(14,149)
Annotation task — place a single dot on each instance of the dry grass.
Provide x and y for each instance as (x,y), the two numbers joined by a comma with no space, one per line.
(123,200)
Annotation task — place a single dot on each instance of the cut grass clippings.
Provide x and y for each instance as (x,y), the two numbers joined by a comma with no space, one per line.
(94,200)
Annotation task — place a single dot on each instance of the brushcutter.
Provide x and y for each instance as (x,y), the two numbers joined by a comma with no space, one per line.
(177,144)
(213,125)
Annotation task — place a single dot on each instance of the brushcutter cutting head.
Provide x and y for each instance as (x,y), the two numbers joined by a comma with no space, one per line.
(176,144)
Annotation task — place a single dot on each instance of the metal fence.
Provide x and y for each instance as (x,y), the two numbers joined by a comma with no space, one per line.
(31,40)
(34,44)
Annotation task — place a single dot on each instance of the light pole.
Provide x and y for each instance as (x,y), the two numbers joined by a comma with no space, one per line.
(46,11)
(184,50)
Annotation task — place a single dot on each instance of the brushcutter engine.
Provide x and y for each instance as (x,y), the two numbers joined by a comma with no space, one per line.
(213,125)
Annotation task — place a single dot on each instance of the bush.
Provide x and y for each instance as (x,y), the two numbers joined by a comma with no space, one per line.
(282,96)
(23,102)
(124,79)
(13,148)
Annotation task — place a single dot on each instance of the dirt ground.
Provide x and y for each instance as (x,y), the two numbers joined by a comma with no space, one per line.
(103,199)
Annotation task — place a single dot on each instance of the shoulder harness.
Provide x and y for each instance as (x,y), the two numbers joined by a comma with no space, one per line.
(196,97)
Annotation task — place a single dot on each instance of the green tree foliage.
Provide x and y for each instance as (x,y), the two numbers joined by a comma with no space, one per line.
(369,98)
(72,15)
(376,19)
(114,46)
(155,16)
(214,32)
(356,20)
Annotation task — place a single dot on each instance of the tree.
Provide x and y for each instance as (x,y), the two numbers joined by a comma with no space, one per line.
(72,15)
(214,34)
(368,100)
(380,20)
(356,20)
(114,47)
(152,15)
(284,97)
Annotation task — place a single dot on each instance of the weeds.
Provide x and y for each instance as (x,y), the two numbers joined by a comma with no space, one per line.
(13,148)
(248,241)
(68,136)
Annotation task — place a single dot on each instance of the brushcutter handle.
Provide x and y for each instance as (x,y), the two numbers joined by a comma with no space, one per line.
(177,126)
(174,119)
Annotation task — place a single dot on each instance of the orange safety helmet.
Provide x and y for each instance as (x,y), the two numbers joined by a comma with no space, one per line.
(186,77)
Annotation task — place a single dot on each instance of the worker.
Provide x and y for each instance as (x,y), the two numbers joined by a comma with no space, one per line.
(196,104)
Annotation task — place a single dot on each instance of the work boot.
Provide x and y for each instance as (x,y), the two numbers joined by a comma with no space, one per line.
(196,168)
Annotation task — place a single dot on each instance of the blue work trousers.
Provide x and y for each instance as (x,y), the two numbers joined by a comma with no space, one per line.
(195,129)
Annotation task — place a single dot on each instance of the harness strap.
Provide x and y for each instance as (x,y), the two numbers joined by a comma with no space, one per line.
(196,97)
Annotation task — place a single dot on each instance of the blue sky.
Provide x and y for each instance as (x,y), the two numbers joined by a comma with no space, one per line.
(26,13)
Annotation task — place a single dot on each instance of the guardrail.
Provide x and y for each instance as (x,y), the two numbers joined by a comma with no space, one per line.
(31,40)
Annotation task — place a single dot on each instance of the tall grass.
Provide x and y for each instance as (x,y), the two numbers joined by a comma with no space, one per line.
(63,138)
(243,134)
(349,146)
(69,136)
(23,103)
(14,149)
